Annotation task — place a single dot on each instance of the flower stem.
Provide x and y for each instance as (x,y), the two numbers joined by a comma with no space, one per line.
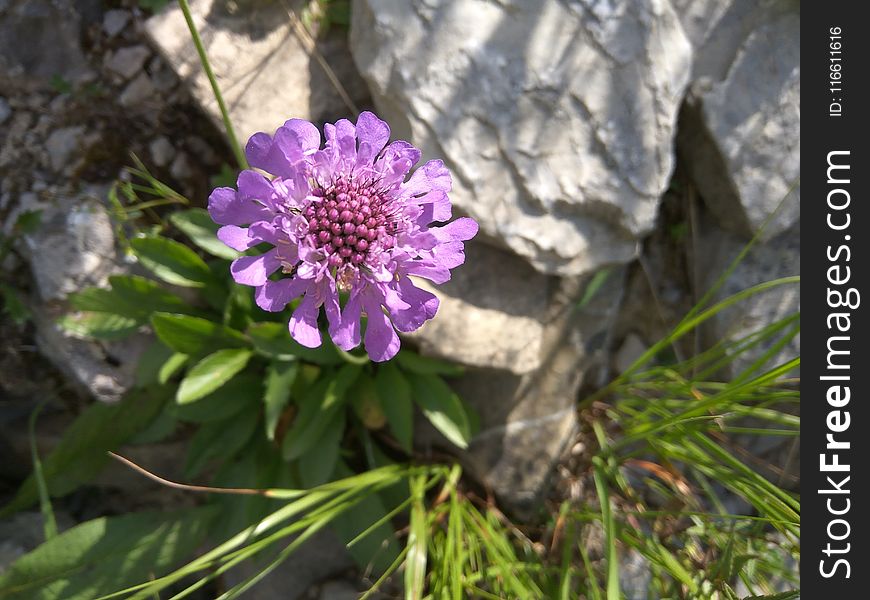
(206,66)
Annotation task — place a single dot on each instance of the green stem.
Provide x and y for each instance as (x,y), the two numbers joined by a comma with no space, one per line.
(197,41)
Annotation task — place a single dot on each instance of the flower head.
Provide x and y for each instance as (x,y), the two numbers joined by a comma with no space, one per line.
(342,218)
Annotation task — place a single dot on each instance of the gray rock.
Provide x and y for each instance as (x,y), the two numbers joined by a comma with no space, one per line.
(103,370)
(338,590)
(322,556)
(631,349)
(114,21)
(556,119)
(740,132)
(778,257)
(74,247)
(63,145)
(500,298)
(265,72)
(635,576)
(162,76)
(137,91)
(527,418)
(162,151)
(181,168)
(5,111)
(40,39)
(127,61)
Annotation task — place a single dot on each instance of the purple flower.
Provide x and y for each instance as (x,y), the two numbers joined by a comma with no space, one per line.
(342,218)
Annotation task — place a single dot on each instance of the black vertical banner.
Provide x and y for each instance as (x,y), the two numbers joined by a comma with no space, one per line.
(835,368)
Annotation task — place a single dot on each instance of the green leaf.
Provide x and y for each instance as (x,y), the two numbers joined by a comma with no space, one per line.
(423,365)
(148,295)
(49,524)
(220,440)
(279,382)
(150,363)
(193,335)
(607,520)
(239,308)
(789,595)
(592,288)
(172,365)
(443,408)
(106,554)
(202,231)
(130,296)
(211,373)
(273,340)
(13,305)
(242,392)
(395,394)
(418,540)
(103,326)
(170,261)
(377,549)
(366,403)
(160,428)
(27,222)
(316,410)
(81,453)
(317,465)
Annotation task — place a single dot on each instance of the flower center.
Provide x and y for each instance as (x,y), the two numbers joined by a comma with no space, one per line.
(348,220)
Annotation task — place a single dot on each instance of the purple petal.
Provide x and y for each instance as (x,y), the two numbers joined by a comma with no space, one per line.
(422,306)
(431,176)
(273,296)
(345,136)
(257,147)
(263,231)
(263,153)
(449,255)
(332,306)
(396,160)
(460,229)
(255,270)
(236,238)
(226,208)
(347,334)
(428,269)
(436,207)
(254,186)
(382,342)
(303,323)
(372,134)
(306,134)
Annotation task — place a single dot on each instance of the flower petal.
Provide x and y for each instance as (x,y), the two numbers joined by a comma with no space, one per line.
(226,208)
(347,334)
(373,135)
(273,296)
(306,135)
(263,153)
(460,229)
(428,269)
(382,342)
(449,255)
(431,176)
(396,161)
(422,306)
(303,322)
(236,237)
(255,270)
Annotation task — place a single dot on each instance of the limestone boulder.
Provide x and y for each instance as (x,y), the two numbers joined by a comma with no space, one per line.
(555,118)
